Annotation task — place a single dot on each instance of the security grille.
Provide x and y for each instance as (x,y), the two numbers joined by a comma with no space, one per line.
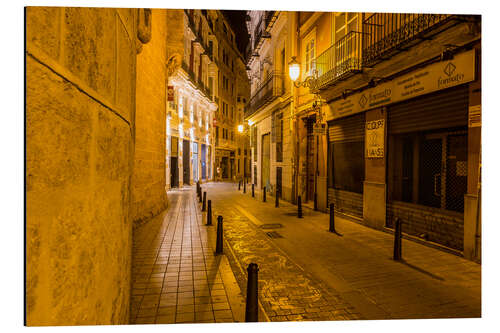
(429,169)
(456,172)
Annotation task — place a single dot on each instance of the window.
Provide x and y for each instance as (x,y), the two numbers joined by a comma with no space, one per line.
(344,24)
(309,52)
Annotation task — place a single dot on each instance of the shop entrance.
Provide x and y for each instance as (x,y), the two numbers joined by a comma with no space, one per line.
(185,162)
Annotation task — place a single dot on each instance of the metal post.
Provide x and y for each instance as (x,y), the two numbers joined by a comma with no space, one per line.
(397,239)
(277,203)
(199,195)
(209,213)
(220,235)
(332,218)
(244,187)
(253,192)
(204,207)
(264,195)
(239,185)
(299,207)
(315,201)
(252,306)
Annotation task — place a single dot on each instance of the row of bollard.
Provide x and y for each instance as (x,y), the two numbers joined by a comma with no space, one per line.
(252,308)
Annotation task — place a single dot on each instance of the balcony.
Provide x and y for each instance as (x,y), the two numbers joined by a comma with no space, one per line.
(271,88)
(189,71)
(385,34)
(339,61)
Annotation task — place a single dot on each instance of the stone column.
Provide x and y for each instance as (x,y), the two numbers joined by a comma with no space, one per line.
(375,185)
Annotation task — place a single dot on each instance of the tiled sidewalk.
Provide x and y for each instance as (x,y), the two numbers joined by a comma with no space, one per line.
(176,276)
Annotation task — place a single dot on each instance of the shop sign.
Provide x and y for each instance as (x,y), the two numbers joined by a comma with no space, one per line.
(441,75)
(170,93)
(319,129)
(374,138)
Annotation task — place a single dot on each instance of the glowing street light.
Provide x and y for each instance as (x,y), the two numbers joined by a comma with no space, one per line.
(294,69)
(240,128)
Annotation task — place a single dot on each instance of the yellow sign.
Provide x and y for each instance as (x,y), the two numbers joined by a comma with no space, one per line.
(374,138)
(441,75)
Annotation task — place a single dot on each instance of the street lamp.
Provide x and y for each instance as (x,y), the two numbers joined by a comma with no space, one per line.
(294,69)
(294,72)
(240,128)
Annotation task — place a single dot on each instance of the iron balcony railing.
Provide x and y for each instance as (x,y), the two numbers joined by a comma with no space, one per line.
(339,60)
(197,82)
(384,33)
(271,88)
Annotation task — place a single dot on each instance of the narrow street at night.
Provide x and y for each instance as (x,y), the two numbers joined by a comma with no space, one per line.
(305,272)
(189,166)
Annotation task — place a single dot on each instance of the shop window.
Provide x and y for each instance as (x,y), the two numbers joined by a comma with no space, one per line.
(347,166)
(429,169)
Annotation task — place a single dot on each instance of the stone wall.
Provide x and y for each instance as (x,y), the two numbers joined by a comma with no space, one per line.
(432,224)
(80,88)
(148,182)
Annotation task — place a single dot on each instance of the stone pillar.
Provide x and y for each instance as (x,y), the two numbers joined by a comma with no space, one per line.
(375,186)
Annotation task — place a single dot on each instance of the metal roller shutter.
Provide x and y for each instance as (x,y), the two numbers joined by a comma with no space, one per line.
(350,129)
(444,109)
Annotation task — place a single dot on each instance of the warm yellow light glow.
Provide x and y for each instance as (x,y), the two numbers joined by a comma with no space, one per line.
(294,69)
(240,128)
(250,123)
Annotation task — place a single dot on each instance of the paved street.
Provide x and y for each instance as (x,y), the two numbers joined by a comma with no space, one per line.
(305,272)
(176,277)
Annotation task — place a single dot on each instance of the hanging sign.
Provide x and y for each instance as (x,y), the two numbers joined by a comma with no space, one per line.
(437,76)
(170,93)
(374,138)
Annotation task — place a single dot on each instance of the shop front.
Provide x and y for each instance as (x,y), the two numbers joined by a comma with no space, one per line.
(402,150)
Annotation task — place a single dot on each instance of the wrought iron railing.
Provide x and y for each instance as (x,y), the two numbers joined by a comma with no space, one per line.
(266,92)
(385,32)
(339,60)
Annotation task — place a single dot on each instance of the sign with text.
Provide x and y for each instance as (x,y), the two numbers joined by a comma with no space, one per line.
(374,138)
(437,76)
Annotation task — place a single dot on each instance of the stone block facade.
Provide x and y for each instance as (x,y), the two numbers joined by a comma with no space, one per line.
(80,83)
(148,180)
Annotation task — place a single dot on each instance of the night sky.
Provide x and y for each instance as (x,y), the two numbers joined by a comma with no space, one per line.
(237,20)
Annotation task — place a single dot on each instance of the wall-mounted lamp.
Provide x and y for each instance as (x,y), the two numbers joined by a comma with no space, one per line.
(294,72)
(240,128)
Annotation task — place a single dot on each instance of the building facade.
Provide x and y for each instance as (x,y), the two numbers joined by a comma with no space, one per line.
(270,108)
(383,121)
(191,104)
(403,97)
(231,139)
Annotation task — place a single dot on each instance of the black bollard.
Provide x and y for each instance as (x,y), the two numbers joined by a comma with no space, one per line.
(299,207)
(315,201)
(245,187)
(252,306)
(277,202)
(209,213)
(332,218)
(397,239)
(218,246)
(239,185)
(253,191)
(204,207)
(264,195)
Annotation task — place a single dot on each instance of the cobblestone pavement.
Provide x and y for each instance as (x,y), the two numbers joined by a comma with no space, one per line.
(307,273)
(286,291)
(176,277)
